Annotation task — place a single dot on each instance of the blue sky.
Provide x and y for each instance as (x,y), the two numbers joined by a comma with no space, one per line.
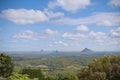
(65,25)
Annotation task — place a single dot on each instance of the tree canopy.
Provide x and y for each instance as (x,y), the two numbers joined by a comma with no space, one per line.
(105,68)
(6,65)
(33,73)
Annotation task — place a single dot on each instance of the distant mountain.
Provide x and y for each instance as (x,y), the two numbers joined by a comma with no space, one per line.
(85,50)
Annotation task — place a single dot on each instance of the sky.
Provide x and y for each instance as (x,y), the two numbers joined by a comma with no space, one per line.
(64,25)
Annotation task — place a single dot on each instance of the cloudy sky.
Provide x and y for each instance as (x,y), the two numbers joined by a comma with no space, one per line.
(65,25)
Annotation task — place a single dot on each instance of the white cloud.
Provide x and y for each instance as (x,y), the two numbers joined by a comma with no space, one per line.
(73,36)
(70,5)
(98,36)
(115,33)
(50,32)
(109,19)
(105,23)
(51,14)
(28,34)
(24,16)
(60,43)
(115,36)
(82,28)
(115,3)
(52,4)
(115,42)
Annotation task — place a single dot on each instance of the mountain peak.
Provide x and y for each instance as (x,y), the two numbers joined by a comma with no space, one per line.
(86,50)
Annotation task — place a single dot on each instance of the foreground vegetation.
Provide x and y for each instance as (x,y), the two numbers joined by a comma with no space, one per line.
(103,68)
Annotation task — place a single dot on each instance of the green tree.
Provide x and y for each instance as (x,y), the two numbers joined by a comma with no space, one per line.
(50,78)
(6,65)
(17,76)
(105,68)
(33,73)
(69,77)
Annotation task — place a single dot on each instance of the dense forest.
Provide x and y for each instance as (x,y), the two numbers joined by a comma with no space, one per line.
(43,67)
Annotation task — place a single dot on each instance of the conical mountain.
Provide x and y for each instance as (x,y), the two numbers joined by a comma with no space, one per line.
(86,50)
